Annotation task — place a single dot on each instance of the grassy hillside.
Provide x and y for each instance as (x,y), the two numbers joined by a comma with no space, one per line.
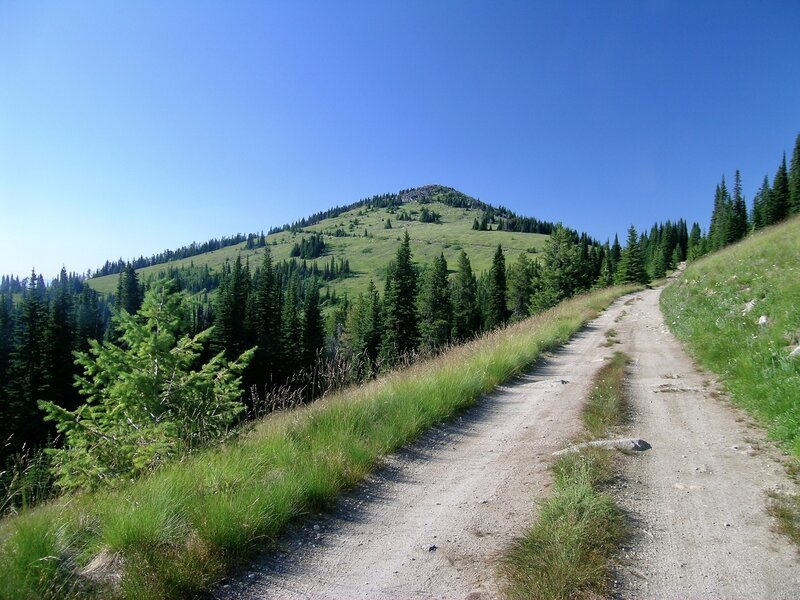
(716,307)
(370,255)
(177,532)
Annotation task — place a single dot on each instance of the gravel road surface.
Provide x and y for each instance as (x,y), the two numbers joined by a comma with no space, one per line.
(432,522)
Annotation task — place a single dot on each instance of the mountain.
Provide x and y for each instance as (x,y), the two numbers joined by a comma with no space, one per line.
(438,219)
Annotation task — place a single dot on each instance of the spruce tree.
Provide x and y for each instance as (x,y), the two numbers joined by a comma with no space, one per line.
(60,343)
(365,325)
(401,330)
(129,291)
(631,264)
(147,398)
(794,179)
(291,333)
(778,207)
(265,321)
(497,309)
(436,312)
(28,369)
(313,330)
(761,209)
(523,279)
(466,316)
(561,269)
(738,227)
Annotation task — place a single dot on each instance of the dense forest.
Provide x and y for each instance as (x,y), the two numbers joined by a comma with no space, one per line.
(267,329)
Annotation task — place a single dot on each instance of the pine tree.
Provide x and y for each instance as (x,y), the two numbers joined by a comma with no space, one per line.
(436,311)
(60,344)
(631,265)
(313,331)
(231,332)
(659,270)
(778,207)
(291,333)
(147,400)
(523,281)
(28,369)
(129,292)
(497,313)
(738,226)
(794,179)
(400,327)
(616,253)
(718,232)
(6,348)
(761,203)
(265,321)
(561,269)
(466,316)
(365,325)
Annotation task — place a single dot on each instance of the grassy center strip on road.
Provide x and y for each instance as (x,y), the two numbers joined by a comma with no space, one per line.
(181,530)
(566,553)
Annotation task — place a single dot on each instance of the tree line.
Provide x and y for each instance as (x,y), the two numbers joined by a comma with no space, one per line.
(773,202)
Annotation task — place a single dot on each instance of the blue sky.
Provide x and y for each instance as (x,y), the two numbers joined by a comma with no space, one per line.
(128,128)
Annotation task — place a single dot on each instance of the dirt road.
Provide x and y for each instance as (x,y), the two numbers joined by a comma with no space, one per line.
(433,521)
(697,500)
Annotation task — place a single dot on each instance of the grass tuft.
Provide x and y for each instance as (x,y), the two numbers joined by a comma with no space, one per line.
(566,553)
(786,508)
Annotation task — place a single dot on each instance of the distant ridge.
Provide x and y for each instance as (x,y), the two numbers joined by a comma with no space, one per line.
(507,221)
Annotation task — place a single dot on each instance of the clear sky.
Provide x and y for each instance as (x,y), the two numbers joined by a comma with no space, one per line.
(131,127)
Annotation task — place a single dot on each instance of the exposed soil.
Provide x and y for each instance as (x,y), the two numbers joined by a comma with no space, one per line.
(433,521)
(697,501)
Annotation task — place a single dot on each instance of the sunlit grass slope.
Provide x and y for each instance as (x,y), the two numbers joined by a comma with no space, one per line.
(370,255)
(716,306)
(179,531)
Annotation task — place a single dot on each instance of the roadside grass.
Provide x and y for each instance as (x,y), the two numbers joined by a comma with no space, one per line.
(179,531)
(566,553)
(715,308)
(786,508)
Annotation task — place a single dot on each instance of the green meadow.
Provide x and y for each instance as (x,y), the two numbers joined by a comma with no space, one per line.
(369,255)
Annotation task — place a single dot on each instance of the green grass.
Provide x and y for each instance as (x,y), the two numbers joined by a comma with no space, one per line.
(566,553)
(369,256)
(182,529)
(707,309)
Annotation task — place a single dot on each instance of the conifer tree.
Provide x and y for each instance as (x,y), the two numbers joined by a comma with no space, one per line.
(659,264)
(28,369)
(60,344)
(147,400)
(291,333)
(497,309)
(401,330)
(436,312)
(313,330)
(230,313)
(523,281)
(738,226)
(6,347)
(761,203)
(631,264)
(561,269)
(616,253)
(778,207)
(366,325)
(265,320)
(794,179)
(466,316)
(129,292)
